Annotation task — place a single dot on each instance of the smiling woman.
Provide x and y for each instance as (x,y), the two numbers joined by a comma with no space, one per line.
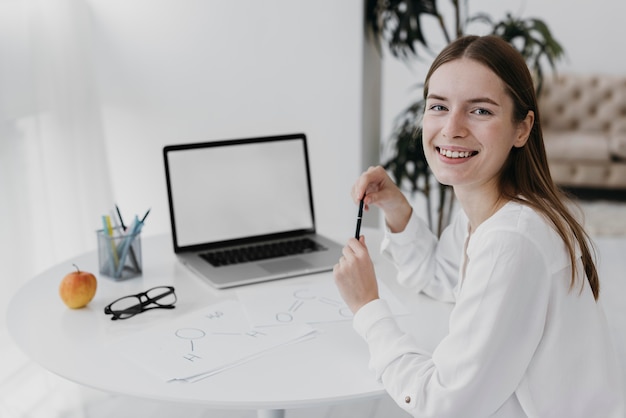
(515,261)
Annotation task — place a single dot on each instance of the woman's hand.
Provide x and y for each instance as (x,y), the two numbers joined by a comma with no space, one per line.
(381,191)
(354,275)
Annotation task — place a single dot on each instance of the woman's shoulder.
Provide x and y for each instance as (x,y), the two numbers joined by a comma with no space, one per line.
(515,218)
(523,225)
(518,216)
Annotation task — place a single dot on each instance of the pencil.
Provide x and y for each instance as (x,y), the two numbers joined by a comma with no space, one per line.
(109,233)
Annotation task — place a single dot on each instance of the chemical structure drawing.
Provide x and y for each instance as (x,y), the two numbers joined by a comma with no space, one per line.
(302,296)
(190,334)
(194,334)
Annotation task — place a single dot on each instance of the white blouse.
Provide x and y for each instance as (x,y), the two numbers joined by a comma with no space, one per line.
(521,342)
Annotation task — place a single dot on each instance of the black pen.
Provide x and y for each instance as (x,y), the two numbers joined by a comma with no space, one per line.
(145,216)
(119,215)
(358,219)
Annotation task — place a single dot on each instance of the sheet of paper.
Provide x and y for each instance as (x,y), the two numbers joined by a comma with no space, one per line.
(205,342)
(317,301)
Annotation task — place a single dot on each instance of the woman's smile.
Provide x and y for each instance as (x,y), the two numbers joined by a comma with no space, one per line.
(455,154)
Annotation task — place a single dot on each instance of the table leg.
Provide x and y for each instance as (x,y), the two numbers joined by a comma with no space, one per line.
(271,413)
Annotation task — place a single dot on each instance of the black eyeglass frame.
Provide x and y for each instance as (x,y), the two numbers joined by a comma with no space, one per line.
(143,305)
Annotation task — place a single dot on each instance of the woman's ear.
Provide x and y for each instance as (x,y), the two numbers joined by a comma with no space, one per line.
(523,129)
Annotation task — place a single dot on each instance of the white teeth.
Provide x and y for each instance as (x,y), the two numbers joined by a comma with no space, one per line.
(454,154)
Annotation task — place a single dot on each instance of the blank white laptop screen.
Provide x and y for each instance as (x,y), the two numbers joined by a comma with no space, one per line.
(237,191)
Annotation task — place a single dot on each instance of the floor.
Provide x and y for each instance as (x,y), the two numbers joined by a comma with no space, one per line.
(29,391)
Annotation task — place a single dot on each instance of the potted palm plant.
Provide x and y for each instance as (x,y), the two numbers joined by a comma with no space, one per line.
(397,23)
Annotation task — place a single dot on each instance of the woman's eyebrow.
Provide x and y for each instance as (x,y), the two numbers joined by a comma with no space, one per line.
(484,100)
(433,96)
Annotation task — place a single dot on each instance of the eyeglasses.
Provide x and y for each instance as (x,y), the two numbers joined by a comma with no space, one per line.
(162,297)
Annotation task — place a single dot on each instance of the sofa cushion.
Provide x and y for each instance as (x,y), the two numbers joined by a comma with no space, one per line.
(576,145)
(584,127)
(617,146)
(579,102)
(592,174)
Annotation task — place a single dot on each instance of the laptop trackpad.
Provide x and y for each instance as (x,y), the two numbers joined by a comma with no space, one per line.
(290,264)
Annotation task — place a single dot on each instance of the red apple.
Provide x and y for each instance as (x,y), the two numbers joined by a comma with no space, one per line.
(78,288)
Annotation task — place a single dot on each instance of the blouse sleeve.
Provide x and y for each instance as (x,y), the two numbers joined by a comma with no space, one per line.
(495,328)
(424,263)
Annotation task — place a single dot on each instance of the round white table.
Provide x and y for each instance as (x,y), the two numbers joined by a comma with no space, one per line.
(76,344)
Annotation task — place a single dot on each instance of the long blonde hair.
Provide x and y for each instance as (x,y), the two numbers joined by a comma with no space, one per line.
(525,177)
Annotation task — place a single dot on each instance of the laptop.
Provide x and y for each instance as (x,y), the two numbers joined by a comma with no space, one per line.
(241,210)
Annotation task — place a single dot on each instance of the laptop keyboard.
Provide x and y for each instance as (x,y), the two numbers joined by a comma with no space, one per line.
(261,252)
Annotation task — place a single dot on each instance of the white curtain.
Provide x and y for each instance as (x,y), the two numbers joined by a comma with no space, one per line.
(54,181)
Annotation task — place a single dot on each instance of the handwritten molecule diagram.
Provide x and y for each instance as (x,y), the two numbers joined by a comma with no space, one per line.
(190,334)
(194,334)
(302,296)
(206,341)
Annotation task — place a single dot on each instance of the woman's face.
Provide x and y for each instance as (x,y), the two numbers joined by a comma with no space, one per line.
(468,128)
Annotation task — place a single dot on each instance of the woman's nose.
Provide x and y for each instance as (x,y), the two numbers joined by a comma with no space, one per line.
(455,126)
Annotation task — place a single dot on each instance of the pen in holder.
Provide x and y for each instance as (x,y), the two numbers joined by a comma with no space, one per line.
(119,253)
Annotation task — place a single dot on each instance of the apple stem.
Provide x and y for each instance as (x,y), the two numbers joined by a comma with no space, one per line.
(77,269)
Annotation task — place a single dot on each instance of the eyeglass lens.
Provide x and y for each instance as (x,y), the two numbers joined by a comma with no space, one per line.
(162,296)
(128,306)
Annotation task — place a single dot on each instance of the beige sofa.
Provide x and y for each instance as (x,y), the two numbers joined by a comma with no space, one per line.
(584,126)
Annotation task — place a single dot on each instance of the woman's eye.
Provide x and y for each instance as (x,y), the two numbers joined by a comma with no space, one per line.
(437,108)
(482,112)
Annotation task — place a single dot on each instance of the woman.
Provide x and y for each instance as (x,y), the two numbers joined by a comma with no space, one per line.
(526,335)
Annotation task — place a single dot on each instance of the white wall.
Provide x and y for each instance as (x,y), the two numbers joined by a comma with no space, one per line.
(195,70)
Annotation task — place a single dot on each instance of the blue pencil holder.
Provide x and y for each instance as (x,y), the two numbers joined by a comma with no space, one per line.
(119,254)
